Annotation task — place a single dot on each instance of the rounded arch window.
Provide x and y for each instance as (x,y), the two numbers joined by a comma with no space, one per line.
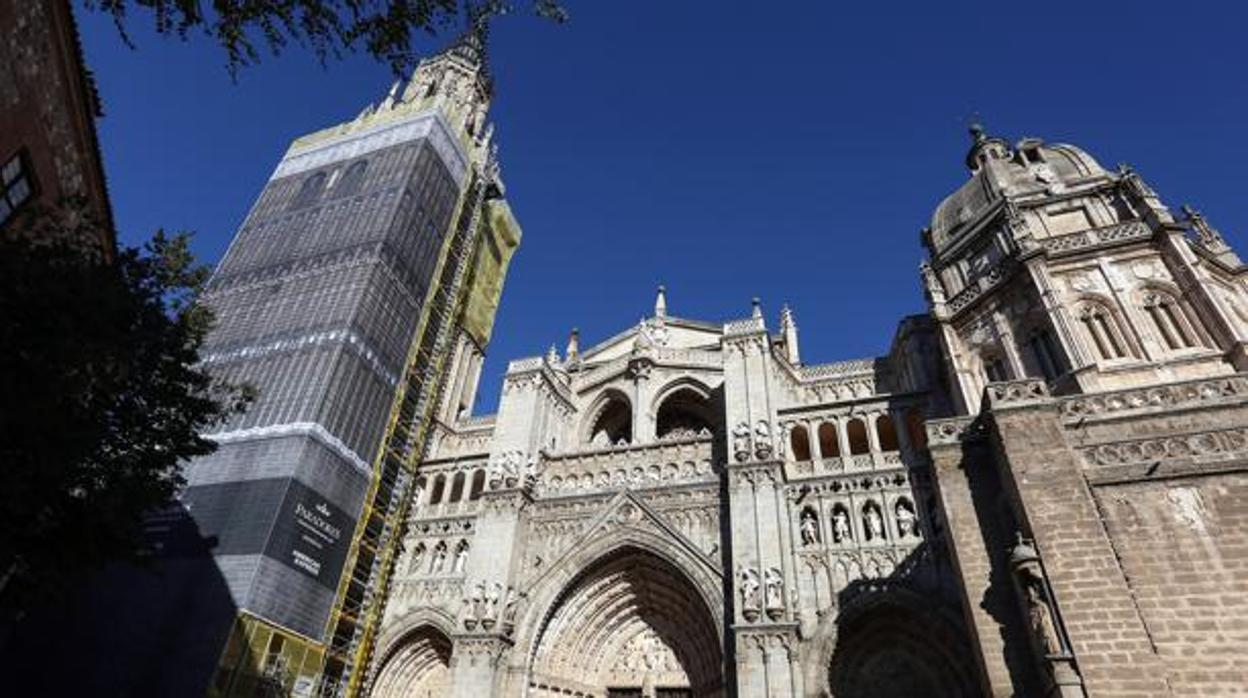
(457,488)
(856,432)
(685,412)
(1169,320)
(439,484)
(799,441)
(887,433)
(829,441)
(1101,328)
(478,485)
(614,423)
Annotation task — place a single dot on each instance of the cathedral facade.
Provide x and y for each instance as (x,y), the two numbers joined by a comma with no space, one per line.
(1039,491)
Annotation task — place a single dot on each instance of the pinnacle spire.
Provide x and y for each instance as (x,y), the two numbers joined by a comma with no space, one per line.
(660,302)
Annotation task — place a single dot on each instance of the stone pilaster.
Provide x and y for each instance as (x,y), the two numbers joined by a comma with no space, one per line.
(477,660)
(768,662)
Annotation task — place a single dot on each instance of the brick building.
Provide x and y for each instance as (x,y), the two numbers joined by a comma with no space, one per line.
(49,154)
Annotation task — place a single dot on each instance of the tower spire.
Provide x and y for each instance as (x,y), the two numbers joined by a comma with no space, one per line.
(574,346)
(788,328)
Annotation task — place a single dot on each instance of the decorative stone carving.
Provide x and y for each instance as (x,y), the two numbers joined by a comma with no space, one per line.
(1155,398)
(510,610)
(1019,392)
(741,441)
(474,606)
(840,526)
(762,440)
(950,431)
(511,469)
(1228,443)
(809,527)
(773,581)
(491,602)
(749,593)
(1075,242)
(907,523)
(439,558)
(873,522)
(418,556)
(1038,604)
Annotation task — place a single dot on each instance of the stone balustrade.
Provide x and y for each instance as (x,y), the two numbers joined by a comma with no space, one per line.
(648,465)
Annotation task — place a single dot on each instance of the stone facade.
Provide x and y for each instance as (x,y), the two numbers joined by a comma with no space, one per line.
(1039,491)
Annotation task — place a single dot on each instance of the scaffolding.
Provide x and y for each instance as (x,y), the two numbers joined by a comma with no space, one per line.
(357,615)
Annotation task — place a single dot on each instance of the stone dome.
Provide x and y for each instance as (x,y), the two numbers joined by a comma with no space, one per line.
(997,171)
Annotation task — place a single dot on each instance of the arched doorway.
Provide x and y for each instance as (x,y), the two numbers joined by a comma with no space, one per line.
(893,651)
(630,625)
(419,667)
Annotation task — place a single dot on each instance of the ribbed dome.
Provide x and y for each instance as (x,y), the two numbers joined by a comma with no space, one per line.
(1032,166)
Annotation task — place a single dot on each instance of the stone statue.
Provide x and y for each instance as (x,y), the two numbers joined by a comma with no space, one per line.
(749,588)
(906,522)
(774,591)
(418,556)
(762,440)
(1028,574)
(461,557)
(741,441)
(496,593)
(439,558)
(840,526)
(507,470)
(1040,615)
(875,522)
(509,609)
(475,604)
(810,528)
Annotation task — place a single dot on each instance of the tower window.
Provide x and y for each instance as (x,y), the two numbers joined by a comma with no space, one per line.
(1044,353)
(352,179)
(1099,324)
(1169,321)
(995,369)
(309,191)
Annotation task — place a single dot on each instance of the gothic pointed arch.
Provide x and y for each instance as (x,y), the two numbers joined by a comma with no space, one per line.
(1102,328)
(683,406)
(415,658)
(895,644)
(609,419)
(630,620)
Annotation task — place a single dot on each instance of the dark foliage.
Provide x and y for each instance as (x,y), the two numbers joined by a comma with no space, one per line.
(101,400)
(385,29)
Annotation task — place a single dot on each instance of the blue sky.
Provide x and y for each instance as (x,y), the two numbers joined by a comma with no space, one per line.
(727,149)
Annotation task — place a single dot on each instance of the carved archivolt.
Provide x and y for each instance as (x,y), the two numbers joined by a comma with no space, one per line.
(632,619)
